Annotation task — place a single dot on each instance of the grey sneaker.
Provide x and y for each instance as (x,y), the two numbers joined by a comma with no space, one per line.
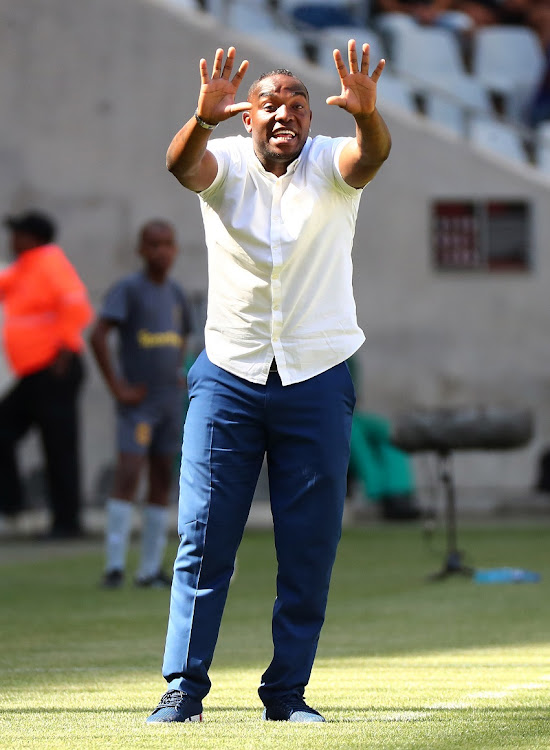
(291,708)
(160,580)
(175,705)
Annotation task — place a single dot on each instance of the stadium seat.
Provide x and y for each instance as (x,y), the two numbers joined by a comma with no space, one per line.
(248,17)
(509,61)
(394,90)
(185,4)
(322,14)
(427,53)
(430,59)
(542,147)
(391,26)
(498,137)
(282,41)
(337,38)
(456,100)
(216,7)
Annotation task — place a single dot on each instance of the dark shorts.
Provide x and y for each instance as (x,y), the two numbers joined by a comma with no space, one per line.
(154,426)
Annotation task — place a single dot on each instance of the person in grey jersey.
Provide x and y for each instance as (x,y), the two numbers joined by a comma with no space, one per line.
(149,312)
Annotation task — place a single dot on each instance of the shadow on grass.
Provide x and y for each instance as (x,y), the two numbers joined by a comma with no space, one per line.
(347,715)
(233,715)
(379,606)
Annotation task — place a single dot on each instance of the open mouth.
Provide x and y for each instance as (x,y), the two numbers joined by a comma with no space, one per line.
(283,136)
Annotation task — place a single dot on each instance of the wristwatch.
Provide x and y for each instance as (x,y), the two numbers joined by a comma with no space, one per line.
(203,124)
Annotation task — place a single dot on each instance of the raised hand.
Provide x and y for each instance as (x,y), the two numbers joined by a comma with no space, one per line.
(358,95)
(218,92)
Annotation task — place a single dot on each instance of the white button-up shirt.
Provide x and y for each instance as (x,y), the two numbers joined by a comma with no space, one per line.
(279,262)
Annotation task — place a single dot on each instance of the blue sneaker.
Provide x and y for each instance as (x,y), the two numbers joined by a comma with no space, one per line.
(175,705)
(291,708)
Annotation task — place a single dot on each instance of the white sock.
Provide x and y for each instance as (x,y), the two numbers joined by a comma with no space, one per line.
(117,533)
(154,536)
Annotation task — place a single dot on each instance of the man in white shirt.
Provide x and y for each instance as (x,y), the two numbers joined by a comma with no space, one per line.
(279,212)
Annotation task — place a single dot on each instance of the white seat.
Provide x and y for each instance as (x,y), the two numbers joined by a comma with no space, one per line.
(427,54)
(542,147)
(508,60)
(338,37)
(282,40)
(249,17)
(394,23)
(394,90)
(498,137)
(185,4)
(430,59)
(456,100)
(391,26)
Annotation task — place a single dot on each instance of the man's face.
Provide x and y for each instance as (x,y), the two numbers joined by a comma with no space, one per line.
(278,120)
(158,248)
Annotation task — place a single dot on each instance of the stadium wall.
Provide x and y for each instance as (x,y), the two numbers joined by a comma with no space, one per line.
(92,92)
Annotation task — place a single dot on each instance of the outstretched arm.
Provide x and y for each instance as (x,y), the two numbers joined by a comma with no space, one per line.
(188,157)
(361,159)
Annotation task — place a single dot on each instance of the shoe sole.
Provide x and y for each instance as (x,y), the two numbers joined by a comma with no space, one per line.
(301,720)
(196,717)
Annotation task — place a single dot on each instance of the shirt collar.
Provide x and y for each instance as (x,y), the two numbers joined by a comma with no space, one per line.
(28,256)
(292,167)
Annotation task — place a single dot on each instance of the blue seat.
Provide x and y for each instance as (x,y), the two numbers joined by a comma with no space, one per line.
(322,15)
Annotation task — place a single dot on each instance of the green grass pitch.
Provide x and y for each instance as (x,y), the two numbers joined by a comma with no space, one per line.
(402,663)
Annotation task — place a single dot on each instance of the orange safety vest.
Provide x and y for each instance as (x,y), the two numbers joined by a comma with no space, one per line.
(46,308)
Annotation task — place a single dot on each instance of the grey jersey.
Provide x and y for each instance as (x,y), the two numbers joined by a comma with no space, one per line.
(152,320)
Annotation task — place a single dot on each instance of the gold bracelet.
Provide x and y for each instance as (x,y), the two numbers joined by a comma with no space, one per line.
(202,123)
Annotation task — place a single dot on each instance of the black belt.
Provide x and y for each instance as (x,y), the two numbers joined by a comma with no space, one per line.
(273,366)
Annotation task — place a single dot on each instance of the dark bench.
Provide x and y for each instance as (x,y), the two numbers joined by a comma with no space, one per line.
(446,430)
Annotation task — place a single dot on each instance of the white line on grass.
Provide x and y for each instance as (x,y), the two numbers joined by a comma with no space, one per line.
(469,700)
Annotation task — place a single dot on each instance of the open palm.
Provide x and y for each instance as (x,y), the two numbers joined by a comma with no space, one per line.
(358,94)
(218,92)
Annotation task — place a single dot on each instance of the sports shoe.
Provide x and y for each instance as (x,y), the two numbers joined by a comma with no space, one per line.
(112,579)
(175,705)
(160,580)
(291,708)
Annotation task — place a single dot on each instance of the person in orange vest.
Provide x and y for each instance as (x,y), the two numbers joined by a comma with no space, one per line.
(45,309)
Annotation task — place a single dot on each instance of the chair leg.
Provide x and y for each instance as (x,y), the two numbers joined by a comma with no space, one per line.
(453,563)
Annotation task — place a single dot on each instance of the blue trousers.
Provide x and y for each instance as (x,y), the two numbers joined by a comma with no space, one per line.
(304,430)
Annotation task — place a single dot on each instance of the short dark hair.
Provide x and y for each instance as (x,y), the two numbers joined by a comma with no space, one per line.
(156,223)
(276,72)
(35,223)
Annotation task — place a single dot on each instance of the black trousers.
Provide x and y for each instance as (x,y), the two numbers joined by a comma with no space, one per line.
(48,402)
